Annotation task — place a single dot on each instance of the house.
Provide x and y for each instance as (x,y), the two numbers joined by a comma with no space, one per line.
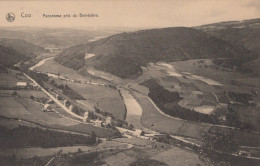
(22,84)
(47,108)
(98,123)
(108,120)
(85,117)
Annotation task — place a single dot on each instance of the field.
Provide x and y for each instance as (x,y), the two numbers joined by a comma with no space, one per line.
(153,120)
(152,152)
(107,99)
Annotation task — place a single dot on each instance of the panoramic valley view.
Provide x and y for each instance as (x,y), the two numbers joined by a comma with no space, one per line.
(177,96)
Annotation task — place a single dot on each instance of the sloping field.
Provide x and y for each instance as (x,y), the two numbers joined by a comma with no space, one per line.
(7,80)
(31,111)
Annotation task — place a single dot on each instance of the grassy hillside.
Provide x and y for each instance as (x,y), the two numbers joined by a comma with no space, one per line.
(123,54)
(22,46)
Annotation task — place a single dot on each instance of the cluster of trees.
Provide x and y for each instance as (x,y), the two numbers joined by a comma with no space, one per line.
(23,136)
(160,95)
(66,90)
(243,98)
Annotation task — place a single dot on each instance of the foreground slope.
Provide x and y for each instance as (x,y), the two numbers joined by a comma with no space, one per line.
(124,54)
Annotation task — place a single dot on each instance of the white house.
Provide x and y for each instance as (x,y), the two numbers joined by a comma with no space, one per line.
(108,120)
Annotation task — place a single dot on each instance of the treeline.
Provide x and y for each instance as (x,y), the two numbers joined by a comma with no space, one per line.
(168,102)
(23,136)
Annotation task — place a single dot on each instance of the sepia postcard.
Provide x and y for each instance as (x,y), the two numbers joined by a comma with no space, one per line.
(130,83)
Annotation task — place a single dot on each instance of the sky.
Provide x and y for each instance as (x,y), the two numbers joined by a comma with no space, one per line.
(128,13)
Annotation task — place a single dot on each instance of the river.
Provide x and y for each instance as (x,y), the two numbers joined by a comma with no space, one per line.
(40,63)
(134,110)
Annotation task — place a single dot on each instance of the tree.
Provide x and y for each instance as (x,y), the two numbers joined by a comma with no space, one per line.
(232,117)
(93,137)
(131,127)
(218,146)
(79,150)
(32,97)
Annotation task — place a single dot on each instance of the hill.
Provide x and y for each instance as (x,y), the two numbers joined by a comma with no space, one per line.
(13,51)
(9,56)
(22,46)
(59,37)
(124,54)
(242,33)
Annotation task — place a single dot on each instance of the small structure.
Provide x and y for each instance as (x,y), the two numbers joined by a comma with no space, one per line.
(244,153)
(67,103)
(108,120)
(47,108)
(22,84)
(50,101)
(98,123)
